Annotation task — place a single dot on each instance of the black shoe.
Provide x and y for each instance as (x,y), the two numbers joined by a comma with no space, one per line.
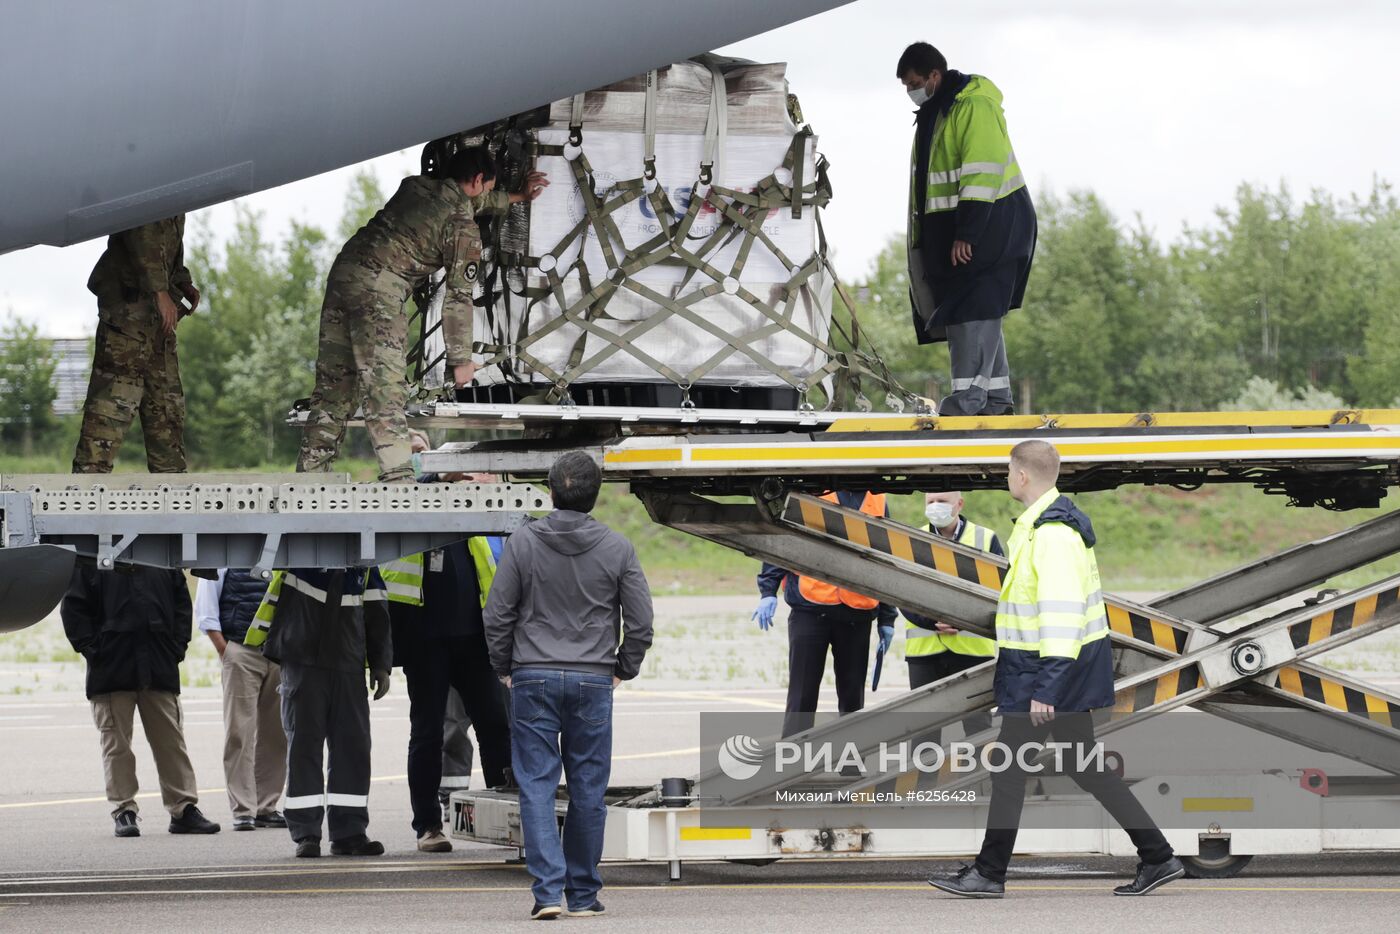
(357,846)
(270,819)
(126,824)
(592,911)
(244,823)
(309,849)
(545,912)
(1152,876)
(191,821)
(969,883)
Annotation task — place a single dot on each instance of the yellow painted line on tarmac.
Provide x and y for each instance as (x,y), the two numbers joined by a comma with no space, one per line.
(219,872)
(100,799)
(658,888)
(660,754)
(707,695)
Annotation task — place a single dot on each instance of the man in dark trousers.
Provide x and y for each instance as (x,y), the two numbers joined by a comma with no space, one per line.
(972,227)
(435,601)
(823,617)
(568,619)
(326,628)
(132,625)
(1054,666)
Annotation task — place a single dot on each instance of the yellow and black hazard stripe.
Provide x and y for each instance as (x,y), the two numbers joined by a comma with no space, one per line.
(1338,696)
(1331,623)
(964,563)
(827,519)
(1133,625)
(1155,691)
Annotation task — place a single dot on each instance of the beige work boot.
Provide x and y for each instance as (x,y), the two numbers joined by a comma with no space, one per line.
(433,841)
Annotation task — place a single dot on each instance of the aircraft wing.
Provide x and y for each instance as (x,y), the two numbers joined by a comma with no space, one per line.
(117,114)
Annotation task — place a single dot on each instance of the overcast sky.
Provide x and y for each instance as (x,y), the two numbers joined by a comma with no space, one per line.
(1163,107)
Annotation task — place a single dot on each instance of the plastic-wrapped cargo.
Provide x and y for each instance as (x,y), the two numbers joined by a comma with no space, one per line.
(677,244)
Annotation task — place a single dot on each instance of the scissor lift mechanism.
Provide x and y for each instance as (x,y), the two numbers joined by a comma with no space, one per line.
(1194,647)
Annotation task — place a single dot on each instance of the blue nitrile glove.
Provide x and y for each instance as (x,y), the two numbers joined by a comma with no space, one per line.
(764,614)
(886,637)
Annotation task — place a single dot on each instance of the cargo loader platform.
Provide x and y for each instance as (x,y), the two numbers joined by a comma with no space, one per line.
(1203,647)
(1337,459)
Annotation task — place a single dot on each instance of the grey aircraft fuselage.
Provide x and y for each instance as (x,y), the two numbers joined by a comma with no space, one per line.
(117,114)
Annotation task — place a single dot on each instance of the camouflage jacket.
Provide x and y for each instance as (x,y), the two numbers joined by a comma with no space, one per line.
(429,224)
(141,261)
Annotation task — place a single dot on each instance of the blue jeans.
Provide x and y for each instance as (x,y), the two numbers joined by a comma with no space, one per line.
(562,719)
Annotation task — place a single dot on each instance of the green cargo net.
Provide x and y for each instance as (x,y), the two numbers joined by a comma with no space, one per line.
(852,365)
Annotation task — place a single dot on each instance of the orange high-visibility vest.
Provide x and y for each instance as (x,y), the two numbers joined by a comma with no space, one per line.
(815,591)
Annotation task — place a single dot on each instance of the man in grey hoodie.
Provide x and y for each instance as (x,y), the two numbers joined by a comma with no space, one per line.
(568,619)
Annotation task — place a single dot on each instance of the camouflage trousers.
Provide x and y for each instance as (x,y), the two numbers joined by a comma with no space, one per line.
(361,360)
(134,371)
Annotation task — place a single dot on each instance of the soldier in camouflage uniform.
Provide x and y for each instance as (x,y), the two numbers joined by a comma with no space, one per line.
(134,366)
(429,224)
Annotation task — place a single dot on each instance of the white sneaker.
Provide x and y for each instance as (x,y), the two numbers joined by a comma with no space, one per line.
(433,841)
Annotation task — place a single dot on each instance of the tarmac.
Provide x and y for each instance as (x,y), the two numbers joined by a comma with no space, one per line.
(62,870)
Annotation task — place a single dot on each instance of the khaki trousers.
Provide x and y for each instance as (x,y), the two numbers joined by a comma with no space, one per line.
(163,722)
(255,747)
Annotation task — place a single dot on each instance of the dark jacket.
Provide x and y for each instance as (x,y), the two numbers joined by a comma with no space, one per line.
(1002,233)
(336,619)
(451,606)
(1067,684)
(569,593)
(240,593)
(771,578)
(132,624)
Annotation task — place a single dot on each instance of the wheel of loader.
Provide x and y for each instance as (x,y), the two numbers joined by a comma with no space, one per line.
(761,861)
(1215,861)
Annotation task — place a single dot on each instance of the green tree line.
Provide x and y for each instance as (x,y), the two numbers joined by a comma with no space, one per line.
(1277,303)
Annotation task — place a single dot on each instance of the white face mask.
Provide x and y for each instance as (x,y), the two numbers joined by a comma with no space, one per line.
(918,96)
(940,515)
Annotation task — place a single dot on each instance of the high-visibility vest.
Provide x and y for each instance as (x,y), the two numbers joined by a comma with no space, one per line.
(404,576)
(262,619)
(920,642)
(820,592)
(267,610)
(970,158)
(1051,600)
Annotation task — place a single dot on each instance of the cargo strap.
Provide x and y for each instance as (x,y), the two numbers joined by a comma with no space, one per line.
(740,217)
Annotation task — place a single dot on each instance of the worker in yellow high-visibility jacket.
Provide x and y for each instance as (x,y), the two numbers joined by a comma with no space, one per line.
(1054,666)
(972,227)
(934,649)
